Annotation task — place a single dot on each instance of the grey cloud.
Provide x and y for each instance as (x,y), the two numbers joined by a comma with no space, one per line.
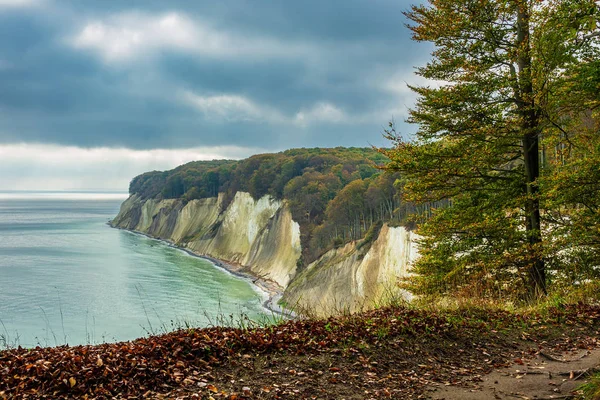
(53,92)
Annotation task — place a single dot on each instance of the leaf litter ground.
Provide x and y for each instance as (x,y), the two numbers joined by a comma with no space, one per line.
(394,352)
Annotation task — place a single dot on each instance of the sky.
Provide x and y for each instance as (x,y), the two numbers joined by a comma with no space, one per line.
(93,92)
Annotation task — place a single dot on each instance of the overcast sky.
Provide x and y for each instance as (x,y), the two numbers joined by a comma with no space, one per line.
(94,92)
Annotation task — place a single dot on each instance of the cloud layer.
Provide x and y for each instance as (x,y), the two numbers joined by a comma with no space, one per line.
(152,74)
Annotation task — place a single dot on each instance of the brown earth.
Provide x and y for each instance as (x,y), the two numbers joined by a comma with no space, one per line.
(396,352)
(543,377)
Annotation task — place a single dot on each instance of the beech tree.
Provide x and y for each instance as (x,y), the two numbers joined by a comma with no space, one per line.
(496,65)
(571,151)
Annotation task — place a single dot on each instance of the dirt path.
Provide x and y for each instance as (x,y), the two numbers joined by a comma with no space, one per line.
(547,376)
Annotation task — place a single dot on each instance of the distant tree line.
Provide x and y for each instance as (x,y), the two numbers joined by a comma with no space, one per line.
(336,195)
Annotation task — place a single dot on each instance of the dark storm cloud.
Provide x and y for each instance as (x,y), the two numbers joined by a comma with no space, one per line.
(155,74)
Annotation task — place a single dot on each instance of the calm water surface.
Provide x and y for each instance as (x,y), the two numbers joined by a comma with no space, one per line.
(68,278)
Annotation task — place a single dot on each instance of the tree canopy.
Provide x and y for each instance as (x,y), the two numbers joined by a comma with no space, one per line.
(507,134)
(335,194)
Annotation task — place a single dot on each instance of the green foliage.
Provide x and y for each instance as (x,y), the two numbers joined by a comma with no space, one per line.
(371,235)
(310,193)
(195,180)
(591,389)
(509,139)
(334,194)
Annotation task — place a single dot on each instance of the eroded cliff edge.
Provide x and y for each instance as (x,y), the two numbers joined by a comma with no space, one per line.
(261,236)
(355,277)
(257,234)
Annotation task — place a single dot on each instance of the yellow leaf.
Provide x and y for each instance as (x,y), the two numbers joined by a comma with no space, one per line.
(212,388)
(72,381)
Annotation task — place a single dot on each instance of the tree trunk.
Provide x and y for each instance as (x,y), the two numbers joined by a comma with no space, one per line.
(531,155)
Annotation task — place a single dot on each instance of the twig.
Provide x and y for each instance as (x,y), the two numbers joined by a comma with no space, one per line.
(578,373)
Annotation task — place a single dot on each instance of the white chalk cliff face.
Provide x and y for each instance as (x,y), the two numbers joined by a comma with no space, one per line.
(261,235)
(354,278)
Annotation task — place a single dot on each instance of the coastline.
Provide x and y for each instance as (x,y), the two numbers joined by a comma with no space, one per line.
(271,290)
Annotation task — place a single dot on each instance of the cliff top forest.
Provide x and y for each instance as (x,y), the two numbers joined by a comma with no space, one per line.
(336,195)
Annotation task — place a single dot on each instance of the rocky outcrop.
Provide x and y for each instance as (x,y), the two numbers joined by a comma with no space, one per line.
(258,234)
(261,236)
(355,277)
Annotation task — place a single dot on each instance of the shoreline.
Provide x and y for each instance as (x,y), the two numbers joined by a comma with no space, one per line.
(271,290)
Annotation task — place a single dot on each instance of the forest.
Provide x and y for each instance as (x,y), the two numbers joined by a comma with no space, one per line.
(335,194)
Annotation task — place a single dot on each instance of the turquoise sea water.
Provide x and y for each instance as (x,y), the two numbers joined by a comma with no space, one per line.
(68,278)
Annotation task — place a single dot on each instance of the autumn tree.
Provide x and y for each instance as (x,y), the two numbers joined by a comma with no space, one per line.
(309,194)
(571,149)
(494,68)
(347,210)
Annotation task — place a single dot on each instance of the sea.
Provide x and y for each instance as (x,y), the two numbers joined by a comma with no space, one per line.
(67,277)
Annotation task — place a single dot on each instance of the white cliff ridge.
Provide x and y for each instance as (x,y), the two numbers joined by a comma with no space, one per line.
(261,236)
(354,278)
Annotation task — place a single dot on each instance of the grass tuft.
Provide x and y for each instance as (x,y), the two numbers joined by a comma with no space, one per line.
(591,389)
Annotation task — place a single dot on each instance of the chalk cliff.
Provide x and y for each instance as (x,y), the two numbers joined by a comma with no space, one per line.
(356,276)
(261,235)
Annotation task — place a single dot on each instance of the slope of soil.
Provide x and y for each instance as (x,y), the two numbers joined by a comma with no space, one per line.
(545,376)
(387,353)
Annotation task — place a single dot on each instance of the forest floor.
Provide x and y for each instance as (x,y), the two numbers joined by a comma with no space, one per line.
(395,352)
